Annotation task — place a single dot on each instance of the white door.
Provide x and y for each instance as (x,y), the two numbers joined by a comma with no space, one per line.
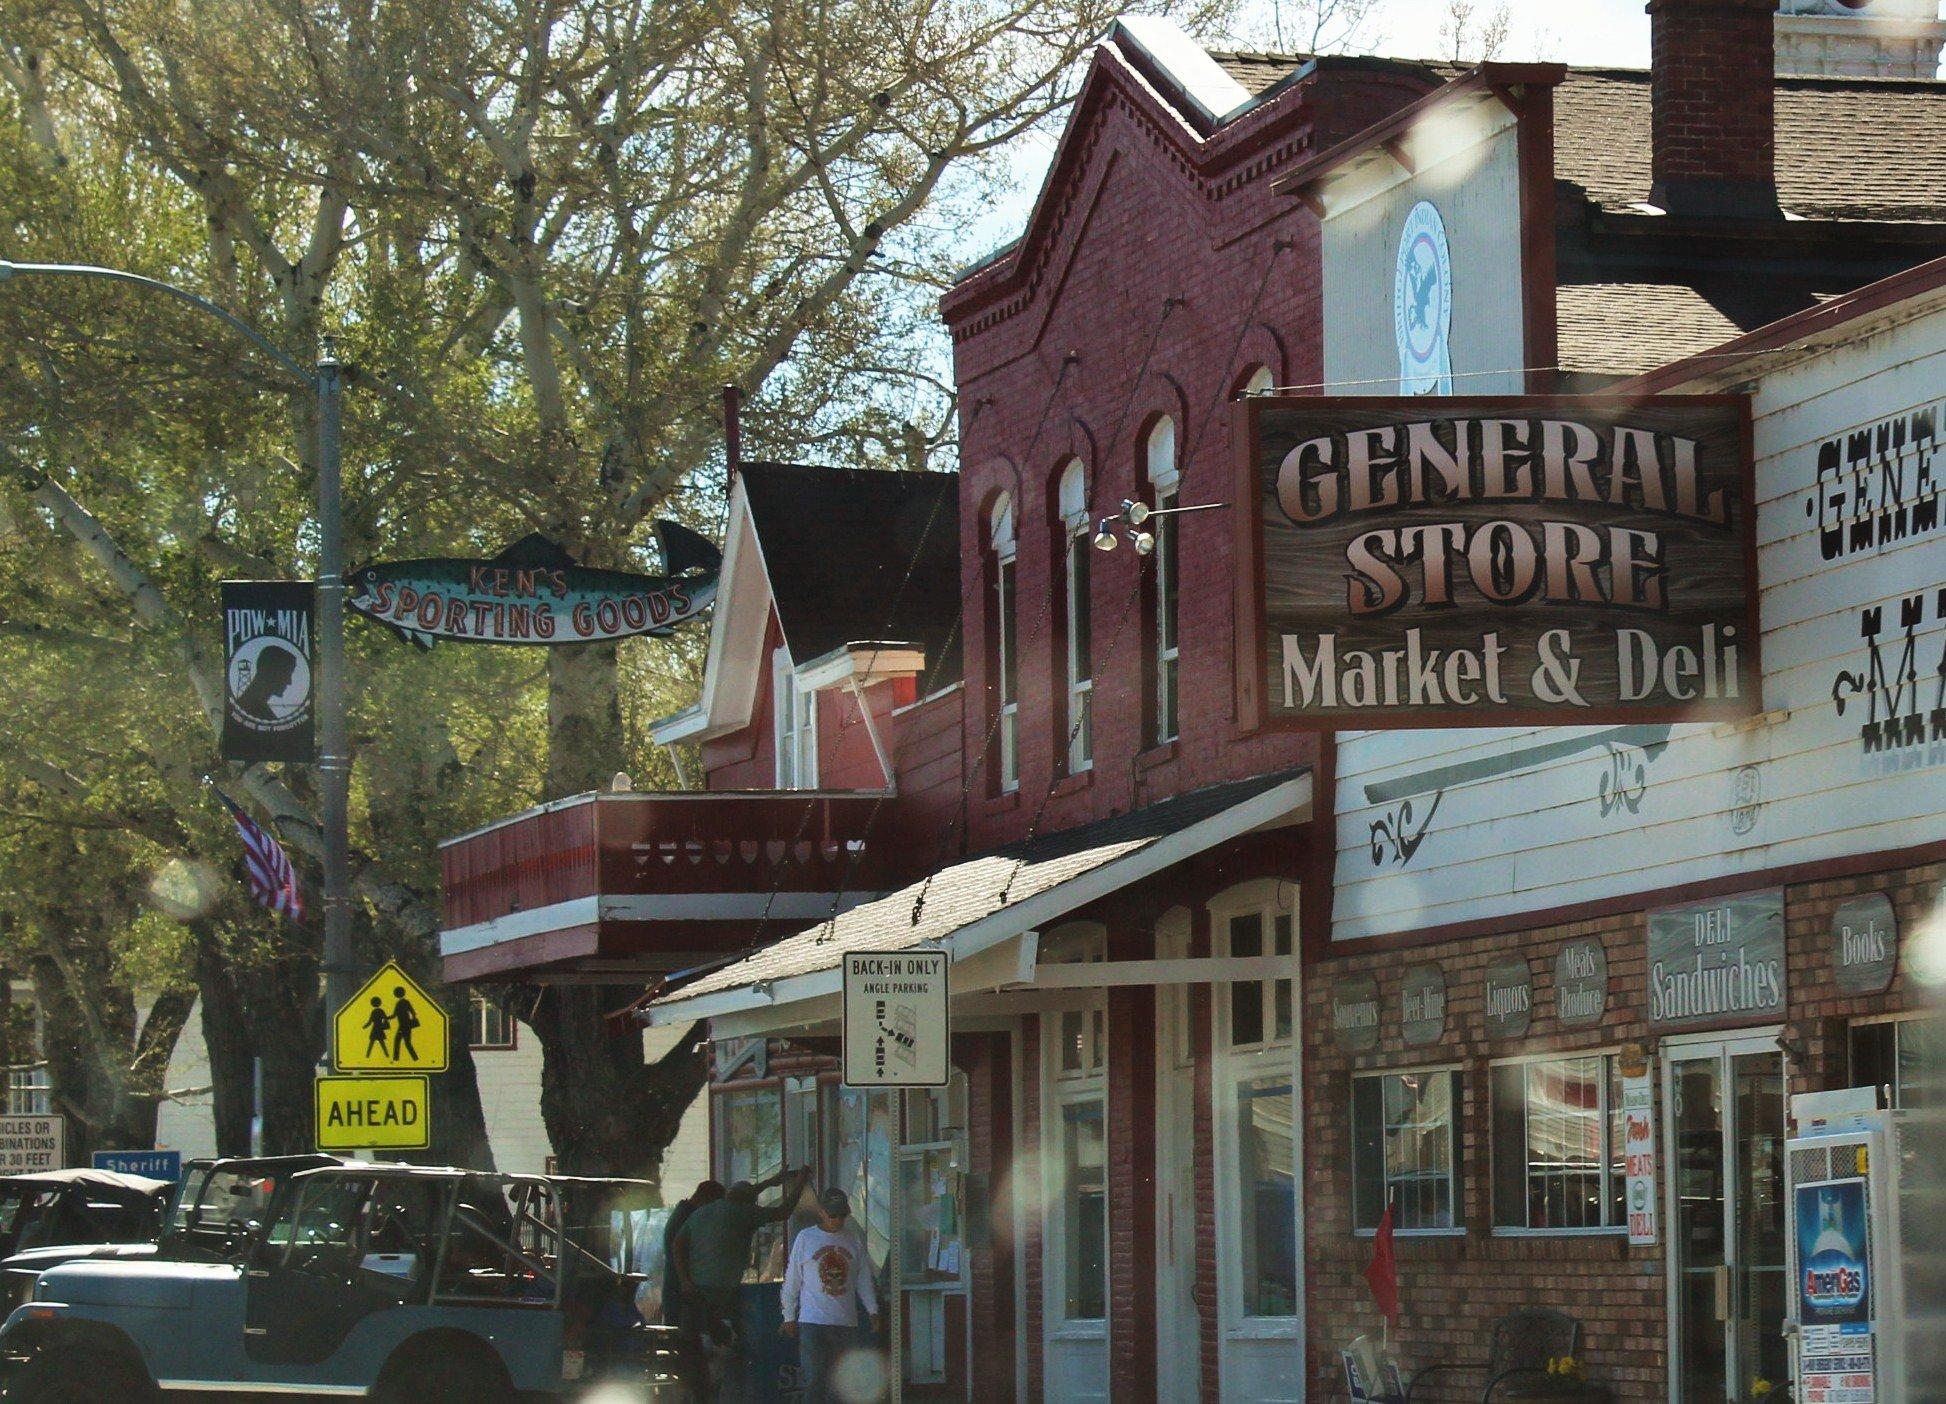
(1179,1364)
(1723,1102)
(1074,1180)
(1259,1147)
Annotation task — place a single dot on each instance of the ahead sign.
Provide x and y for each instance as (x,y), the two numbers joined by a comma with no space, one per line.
(374,1113)
(895,1026)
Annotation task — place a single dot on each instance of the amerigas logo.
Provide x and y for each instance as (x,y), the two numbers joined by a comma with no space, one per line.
(1422,303)
(1834,1272)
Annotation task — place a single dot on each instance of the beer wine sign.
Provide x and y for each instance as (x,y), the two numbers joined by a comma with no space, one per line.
(1483,561)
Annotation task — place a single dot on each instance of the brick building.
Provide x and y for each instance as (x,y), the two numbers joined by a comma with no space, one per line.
(999,714)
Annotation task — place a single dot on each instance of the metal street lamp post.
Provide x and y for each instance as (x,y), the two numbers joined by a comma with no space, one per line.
(326,381)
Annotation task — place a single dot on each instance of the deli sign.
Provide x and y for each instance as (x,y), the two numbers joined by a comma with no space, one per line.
(1476,561)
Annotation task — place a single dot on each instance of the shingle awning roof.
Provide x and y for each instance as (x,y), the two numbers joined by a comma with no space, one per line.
(982,901)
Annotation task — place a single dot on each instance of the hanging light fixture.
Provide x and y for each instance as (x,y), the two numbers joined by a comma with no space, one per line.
(1130,520)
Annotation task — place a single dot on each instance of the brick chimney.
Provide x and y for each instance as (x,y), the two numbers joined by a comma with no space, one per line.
(1715,131)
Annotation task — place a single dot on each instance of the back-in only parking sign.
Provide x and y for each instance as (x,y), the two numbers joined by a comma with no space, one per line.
(895,1019)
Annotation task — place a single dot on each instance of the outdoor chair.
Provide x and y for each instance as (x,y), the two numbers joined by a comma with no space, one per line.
(1522,1344)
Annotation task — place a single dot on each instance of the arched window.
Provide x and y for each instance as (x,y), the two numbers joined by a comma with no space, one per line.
(1165,476)
(1259,381)
(1006,648)
(1077,548)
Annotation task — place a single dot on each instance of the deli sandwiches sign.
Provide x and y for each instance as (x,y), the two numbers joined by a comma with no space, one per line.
(1479,561)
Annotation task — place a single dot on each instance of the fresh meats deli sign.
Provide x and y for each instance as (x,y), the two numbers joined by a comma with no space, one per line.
(1486,560)
(534,593)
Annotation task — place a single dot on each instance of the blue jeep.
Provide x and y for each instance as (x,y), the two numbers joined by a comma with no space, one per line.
(401,1283)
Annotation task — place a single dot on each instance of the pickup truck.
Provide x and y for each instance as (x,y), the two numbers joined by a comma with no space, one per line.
(403,1283)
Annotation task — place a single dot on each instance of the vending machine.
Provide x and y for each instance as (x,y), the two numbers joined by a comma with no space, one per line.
(1845,1302)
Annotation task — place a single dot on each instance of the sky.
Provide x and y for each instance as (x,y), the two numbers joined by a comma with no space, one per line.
(1608,32)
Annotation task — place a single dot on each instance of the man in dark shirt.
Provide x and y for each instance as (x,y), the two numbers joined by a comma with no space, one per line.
(712,1248)
(708,1192)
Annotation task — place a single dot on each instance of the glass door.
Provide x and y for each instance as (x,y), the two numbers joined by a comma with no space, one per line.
(1725,1114)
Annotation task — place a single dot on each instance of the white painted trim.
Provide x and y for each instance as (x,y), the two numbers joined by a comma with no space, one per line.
(718,713)
(1200,970)
(691,721)
(1203,83)
(260,1387)
(515,926)
(945,691)
(670,906)
(861,664)
(1292,800)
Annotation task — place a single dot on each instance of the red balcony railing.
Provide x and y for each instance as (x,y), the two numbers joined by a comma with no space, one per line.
(652,878)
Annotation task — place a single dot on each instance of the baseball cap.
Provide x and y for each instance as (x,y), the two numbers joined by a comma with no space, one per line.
(835,1203)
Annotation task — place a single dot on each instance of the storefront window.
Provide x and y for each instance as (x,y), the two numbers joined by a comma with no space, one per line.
(751,1148)
(1260,1010)
(1084,1183)
(1906,1055)
(1405,1127)
(1557,1145)
(1267,1193)
(864,1165)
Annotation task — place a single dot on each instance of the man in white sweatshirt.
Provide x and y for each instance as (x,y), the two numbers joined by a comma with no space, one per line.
(828,1278)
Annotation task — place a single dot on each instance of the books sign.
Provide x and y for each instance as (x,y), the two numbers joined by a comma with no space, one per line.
(895,1019)
(1479,561)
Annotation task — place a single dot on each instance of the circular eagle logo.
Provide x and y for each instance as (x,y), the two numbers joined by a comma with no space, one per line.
(1422,303)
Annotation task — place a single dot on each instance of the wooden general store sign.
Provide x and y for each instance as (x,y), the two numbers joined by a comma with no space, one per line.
(1478,561)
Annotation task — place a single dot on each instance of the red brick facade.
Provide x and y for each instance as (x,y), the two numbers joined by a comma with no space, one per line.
(1452,1288)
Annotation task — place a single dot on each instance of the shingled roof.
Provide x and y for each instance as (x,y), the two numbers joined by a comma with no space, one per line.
(861,556)
(1847,148)
(1026,876)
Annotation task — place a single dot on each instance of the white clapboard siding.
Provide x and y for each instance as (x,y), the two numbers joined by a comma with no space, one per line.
(1537,839)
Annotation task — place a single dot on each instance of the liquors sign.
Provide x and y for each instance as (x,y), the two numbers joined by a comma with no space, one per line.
(1481,561)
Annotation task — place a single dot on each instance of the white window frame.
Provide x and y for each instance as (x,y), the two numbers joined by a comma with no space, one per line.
(1232,1065)
(1076,544)
(1499,1230)
(1909,1016)
(1084,943)
(479,1011)
(796,721)
(1456,1182)
(1165,480)
(1007,665)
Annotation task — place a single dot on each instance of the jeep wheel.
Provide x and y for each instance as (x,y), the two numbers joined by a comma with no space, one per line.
(444,1375)
(64,1378)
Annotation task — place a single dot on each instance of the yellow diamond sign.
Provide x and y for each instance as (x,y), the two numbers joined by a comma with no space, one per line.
(390,1025)
(374,1113)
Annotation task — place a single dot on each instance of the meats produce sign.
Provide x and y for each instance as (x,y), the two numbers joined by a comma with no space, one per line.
(534,593)
(1480,561)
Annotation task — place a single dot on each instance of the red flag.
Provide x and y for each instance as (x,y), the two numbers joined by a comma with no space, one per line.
(1382,1273)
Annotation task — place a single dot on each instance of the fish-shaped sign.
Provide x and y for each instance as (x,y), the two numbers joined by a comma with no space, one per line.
(534,593)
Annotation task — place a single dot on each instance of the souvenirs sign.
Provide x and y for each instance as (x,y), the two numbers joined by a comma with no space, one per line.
(1354,1013)
(269,712)
(1480,561)
(534,593)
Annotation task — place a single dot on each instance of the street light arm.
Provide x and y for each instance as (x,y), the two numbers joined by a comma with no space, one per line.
(9,269)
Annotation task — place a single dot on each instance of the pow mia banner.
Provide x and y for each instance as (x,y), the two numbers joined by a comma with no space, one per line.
(269,711)
(1481,561)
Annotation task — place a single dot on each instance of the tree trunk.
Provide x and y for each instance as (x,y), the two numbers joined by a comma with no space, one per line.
(608,1110)
(232,1056)
(584,719)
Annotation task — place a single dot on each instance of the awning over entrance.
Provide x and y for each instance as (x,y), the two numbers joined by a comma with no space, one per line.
(980,910)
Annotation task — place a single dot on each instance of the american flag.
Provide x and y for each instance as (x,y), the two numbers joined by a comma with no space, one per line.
(267,870)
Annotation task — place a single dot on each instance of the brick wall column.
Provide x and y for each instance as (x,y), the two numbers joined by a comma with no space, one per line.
(1200,1015)
(988,1059)
(1131,1180)
(1030,1188)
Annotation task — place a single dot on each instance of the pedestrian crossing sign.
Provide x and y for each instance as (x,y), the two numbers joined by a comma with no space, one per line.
(390,1025)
